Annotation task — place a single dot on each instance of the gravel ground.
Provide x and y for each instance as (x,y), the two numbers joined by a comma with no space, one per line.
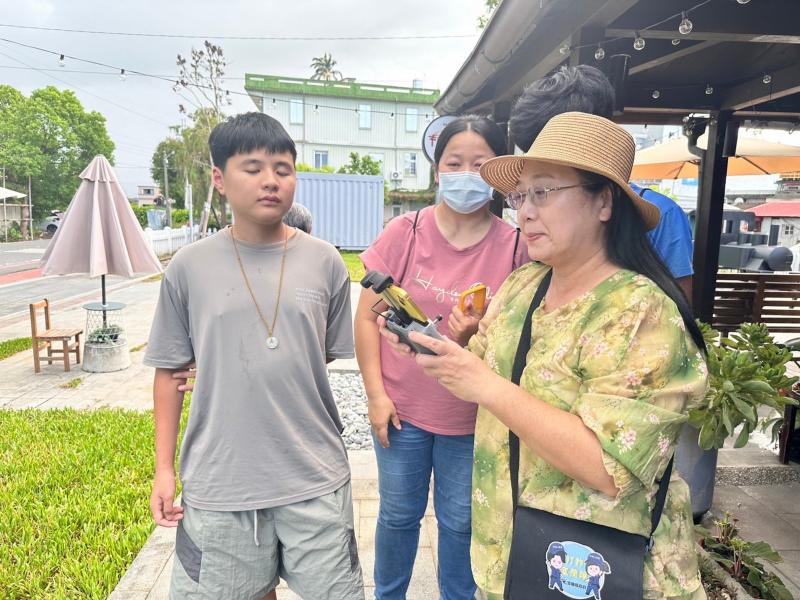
(348,390)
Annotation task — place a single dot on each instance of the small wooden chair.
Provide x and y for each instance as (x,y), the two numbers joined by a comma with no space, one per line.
(45,340)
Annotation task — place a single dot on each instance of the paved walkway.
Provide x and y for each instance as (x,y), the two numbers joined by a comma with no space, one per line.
(750,482)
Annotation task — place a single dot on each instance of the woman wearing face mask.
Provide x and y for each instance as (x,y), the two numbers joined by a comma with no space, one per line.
(418,426)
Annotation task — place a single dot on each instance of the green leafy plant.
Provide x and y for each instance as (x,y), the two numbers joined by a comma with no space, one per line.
(745,371)
(107,334)
(743,560)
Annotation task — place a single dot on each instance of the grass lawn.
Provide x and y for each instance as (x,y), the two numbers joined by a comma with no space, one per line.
(74,492)
(354,265)
(12,346)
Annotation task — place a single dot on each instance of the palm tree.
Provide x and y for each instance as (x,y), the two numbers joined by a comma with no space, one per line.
(323,68)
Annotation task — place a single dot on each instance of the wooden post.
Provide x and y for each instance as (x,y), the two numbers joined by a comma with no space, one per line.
(711,197)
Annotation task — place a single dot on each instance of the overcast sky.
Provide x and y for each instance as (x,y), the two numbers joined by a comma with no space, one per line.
(154,104)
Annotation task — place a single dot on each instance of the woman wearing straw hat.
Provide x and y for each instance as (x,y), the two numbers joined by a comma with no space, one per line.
(613,368)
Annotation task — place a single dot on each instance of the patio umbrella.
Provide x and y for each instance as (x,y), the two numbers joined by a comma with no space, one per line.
(99,233)
(754,156)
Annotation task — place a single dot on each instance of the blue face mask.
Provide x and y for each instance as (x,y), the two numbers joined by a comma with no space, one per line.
(463,191)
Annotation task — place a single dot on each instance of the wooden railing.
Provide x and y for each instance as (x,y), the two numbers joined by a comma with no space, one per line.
(769,298)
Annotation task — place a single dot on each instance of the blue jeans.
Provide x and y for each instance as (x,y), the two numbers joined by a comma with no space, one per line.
(404,474)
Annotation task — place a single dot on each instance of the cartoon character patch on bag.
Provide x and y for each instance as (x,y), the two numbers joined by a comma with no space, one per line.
(556,557)
(576,570)
(597,568)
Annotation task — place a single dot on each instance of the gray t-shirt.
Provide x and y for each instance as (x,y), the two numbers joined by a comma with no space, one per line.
(263,427)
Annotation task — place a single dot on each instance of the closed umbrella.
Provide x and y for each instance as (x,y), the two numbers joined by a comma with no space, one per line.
(754,156)
(99,234)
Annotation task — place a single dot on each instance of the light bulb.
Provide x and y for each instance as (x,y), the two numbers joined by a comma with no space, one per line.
(61,61)
(391,115)
(122,75)
(767,78)
(564,50)
(639,43)
(316,108)
(599,54)
(685,28)
(656,94)
(709,89)
(676,42)
(743,1)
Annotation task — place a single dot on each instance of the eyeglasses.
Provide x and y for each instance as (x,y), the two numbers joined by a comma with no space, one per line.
(535,195)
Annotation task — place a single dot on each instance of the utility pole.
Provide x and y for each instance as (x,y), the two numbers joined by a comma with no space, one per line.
(166,192)
(30,209)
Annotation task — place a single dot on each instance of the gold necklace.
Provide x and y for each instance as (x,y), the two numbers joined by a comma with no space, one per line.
(272,341)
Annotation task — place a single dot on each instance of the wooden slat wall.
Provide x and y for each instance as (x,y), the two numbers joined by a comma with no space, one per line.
(768,298)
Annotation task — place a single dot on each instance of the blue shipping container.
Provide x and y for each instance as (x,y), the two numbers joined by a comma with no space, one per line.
(347,210)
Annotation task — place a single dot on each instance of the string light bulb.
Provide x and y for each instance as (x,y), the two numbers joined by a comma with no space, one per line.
(61,61)
(122,75)
(639,43)
(709,89)
(676,41)
(228,98)
(685,28)
(656,94)
(316,109)
(600,53)
(565,49)
(743,1)
(391,115)
(767,79)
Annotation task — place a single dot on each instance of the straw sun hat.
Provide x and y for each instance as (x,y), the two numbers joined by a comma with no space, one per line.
(581,141)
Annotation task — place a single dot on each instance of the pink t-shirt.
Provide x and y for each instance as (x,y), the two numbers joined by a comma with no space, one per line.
(435,273)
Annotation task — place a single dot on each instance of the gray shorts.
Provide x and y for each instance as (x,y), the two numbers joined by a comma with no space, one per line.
(241,555)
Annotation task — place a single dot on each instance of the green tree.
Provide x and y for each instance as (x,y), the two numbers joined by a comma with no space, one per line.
(361,165)
(51,138)
(200,85)
(173,149)
(484,18)
(324,68)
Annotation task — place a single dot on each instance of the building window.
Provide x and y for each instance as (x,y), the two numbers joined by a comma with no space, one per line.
(788,229)
(364,116)
(396,209)
(410,169)
(412,119)
(296,111)
(320,159)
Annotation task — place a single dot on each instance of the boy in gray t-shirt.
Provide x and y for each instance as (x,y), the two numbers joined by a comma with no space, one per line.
(261,308)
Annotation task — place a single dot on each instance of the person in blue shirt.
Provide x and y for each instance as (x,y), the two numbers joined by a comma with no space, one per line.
(587,89)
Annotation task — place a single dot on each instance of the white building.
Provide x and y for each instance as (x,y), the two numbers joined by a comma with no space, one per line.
(330,119)
(147,194)
(780,219)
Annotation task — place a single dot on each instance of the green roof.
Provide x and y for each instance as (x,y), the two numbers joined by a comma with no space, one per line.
(342,89)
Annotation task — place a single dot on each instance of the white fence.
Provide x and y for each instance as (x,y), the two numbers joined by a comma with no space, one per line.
(167,241)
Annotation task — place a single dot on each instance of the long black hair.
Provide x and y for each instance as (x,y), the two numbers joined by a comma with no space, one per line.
(488,130)
(629,247)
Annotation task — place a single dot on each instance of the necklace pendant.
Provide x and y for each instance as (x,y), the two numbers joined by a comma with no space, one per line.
(272,342)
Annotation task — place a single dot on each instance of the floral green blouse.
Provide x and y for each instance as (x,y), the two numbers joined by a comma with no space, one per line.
(618,357)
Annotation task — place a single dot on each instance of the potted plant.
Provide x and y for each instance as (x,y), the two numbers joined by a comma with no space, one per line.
(727,562)
(106,348)
(107,334)
(745,372)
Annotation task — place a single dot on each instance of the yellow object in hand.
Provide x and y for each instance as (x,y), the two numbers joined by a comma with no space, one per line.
(478,293)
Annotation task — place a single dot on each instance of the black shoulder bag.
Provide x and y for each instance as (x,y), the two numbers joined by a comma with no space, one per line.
(556,557)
